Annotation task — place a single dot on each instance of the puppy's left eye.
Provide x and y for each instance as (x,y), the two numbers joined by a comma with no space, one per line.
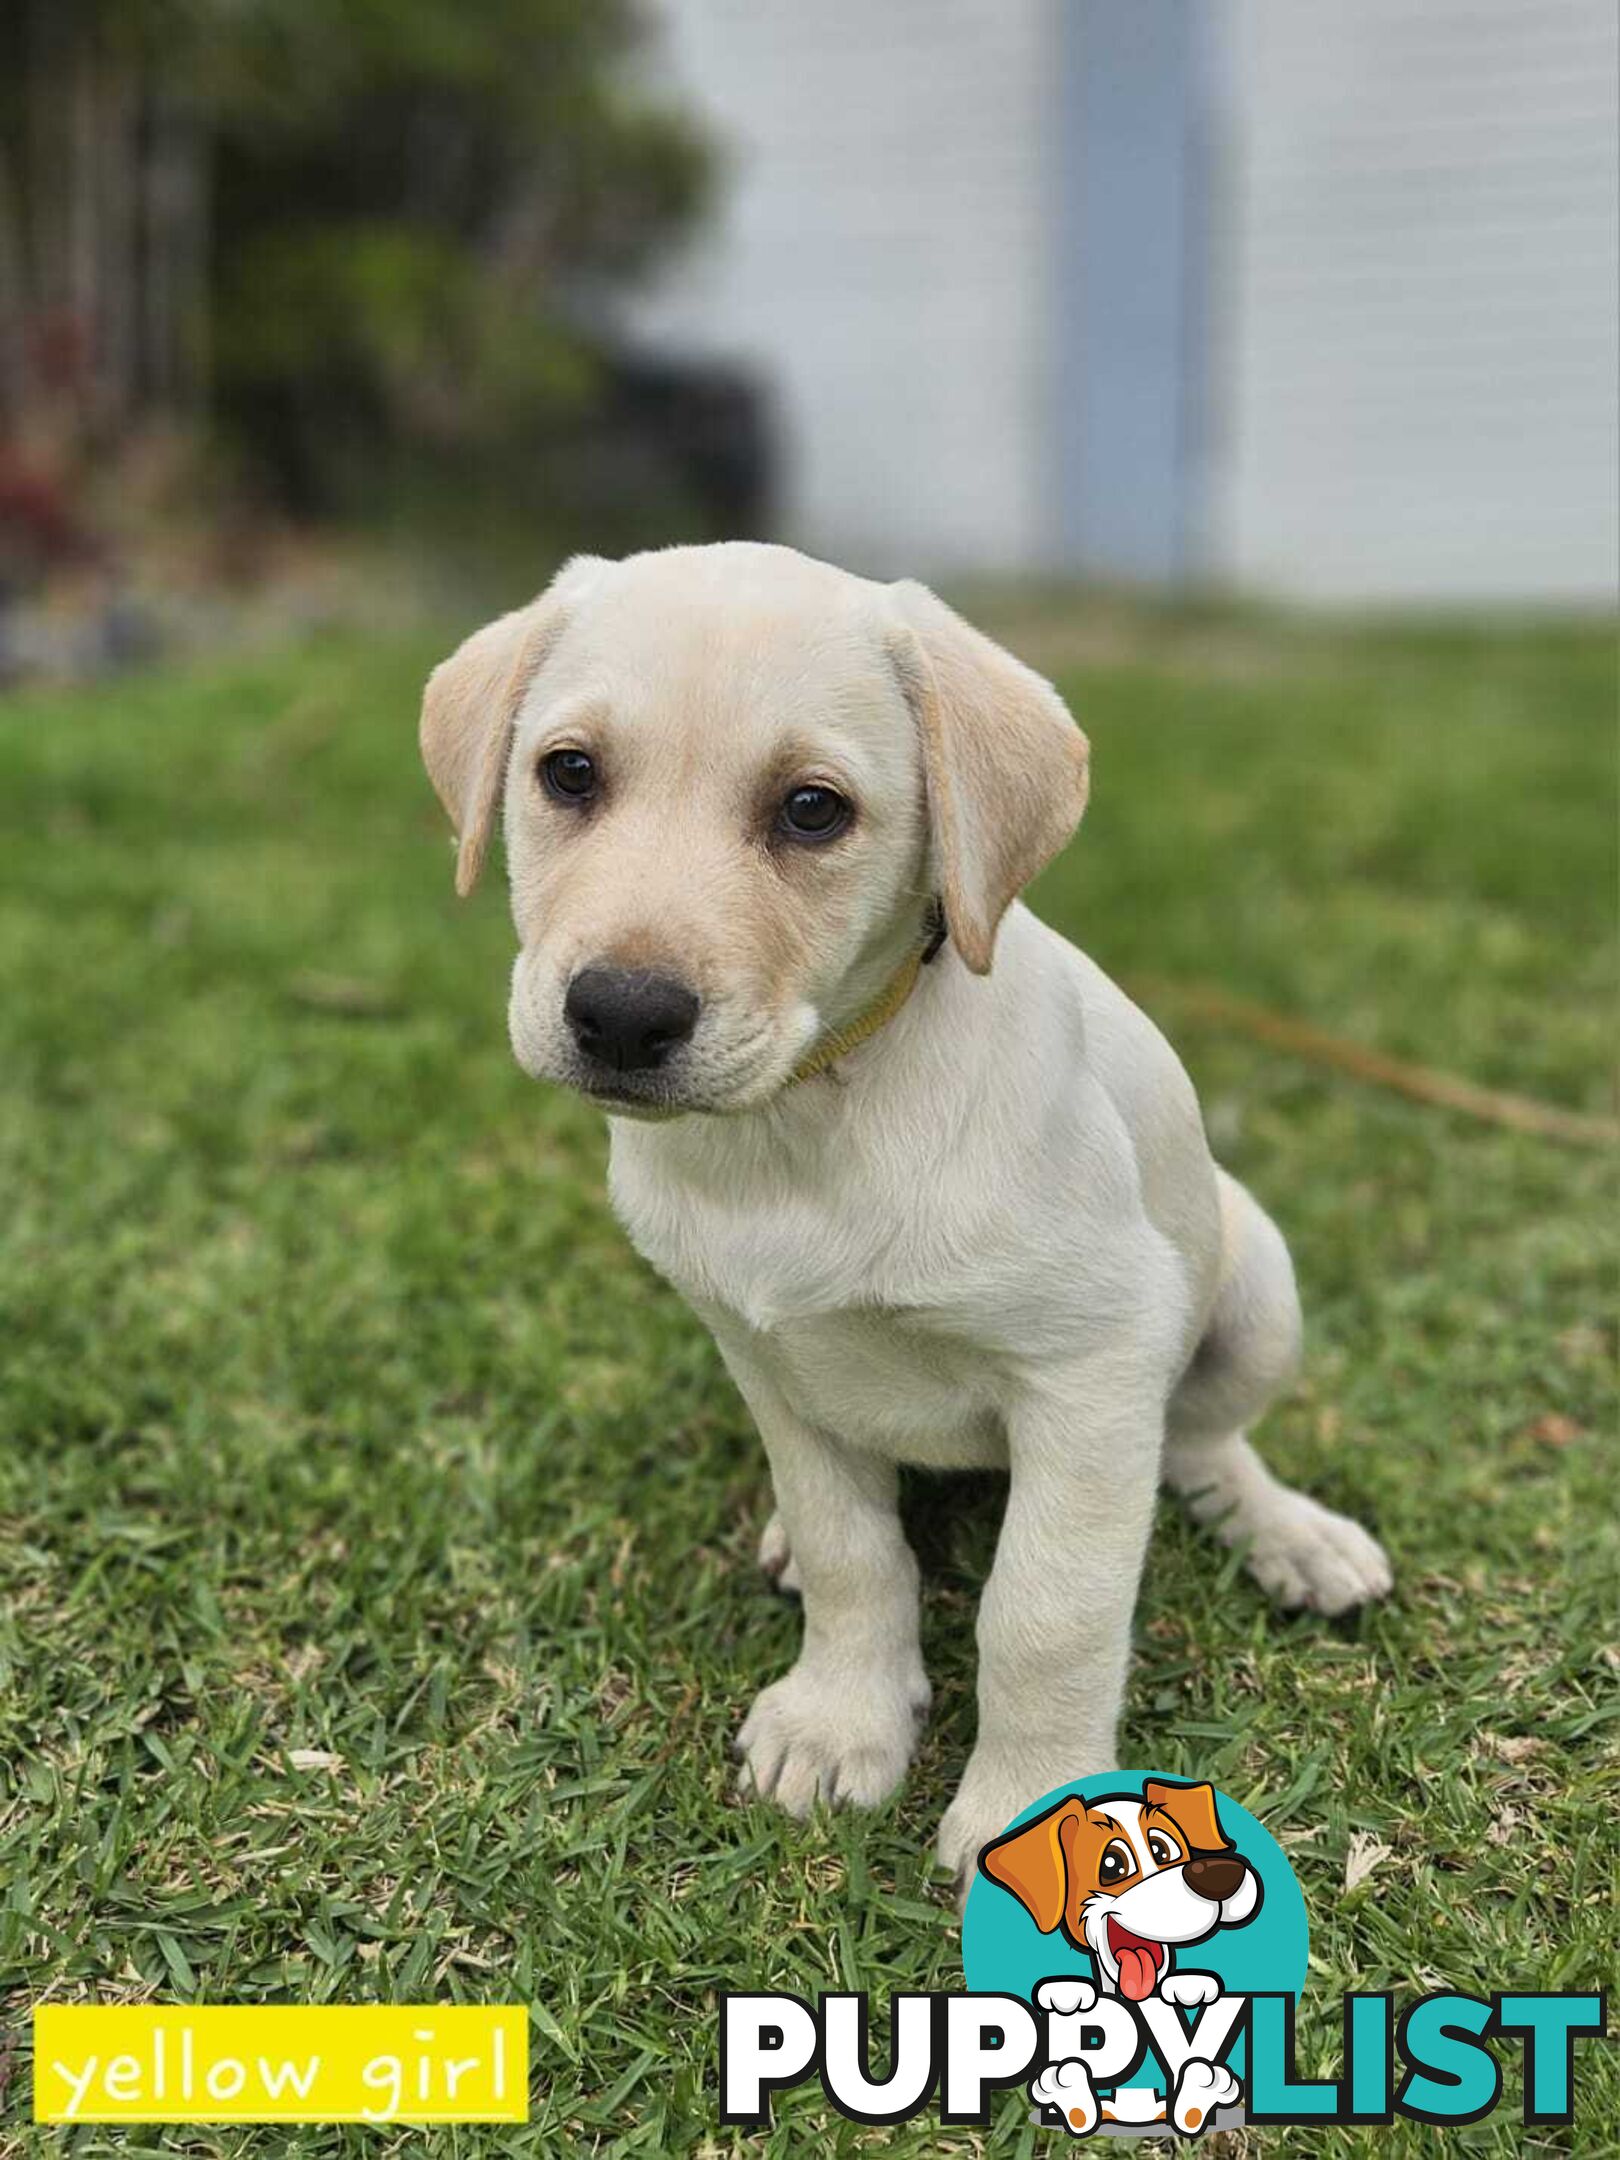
(569,775)
(814,813)
(1162,1850)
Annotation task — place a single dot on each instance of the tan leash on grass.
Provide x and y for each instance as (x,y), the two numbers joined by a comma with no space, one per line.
(1422,1083)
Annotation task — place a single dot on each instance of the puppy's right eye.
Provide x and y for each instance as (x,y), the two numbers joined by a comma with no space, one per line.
(1115,1864)
(568,775)
(814,813)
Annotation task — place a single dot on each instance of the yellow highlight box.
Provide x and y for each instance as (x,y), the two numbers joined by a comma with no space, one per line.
(281,2062)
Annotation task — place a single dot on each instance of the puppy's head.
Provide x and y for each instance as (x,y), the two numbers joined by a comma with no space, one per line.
(733,780)
(1128,1879)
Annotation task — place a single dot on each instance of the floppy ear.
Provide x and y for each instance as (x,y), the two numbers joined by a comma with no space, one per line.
(1192,1808)
(1005,765)
(471,704)
(1033,1863)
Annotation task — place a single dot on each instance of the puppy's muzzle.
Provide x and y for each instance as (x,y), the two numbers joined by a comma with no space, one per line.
(628,1020)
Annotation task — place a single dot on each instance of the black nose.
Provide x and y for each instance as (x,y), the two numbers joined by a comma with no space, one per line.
(1215,1877)
(628,1019)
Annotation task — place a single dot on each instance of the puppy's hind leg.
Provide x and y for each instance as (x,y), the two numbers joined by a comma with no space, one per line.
(1301,1553)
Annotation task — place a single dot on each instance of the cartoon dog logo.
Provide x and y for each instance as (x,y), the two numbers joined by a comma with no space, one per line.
(1131,1879)
(1128,1878)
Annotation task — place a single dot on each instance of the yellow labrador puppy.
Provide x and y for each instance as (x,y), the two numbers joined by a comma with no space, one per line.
(940,1191)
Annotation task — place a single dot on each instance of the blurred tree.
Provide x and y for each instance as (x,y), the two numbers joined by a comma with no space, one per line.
(332,225)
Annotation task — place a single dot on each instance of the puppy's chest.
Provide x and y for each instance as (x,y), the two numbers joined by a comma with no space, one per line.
(770,1258)
(865,1341)
(891,1382)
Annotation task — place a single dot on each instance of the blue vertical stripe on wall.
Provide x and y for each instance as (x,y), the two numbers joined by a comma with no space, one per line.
(1129,310)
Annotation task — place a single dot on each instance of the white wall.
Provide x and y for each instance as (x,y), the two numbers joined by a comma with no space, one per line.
(882,256)
(1417,360)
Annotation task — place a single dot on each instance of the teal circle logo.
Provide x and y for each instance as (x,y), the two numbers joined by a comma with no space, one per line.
(1127,1879)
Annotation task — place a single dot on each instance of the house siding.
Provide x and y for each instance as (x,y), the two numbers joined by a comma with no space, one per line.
(1416,365)
(1131,213)
(881,259)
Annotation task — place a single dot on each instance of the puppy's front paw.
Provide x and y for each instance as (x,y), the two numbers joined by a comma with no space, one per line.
(818,1735)
(995,1788)
(1303,1555)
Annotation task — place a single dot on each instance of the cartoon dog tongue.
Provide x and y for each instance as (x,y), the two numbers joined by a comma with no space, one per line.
(1138,1963)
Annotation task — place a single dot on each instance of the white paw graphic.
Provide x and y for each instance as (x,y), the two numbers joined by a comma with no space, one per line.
(1066,1998)
(1066,2086)
(1065,2003)
(1189,1990)
(1201,2088)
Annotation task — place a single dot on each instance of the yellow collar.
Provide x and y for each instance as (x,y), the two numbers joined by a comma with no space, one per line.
(881,1010)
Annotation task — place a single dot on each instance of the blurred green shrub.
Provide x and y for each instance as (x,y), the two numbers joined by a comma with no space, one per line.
(348,234)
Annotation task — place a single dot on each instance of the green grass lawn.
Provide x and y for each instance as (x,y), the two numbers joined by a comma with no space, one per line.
(376,1533)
